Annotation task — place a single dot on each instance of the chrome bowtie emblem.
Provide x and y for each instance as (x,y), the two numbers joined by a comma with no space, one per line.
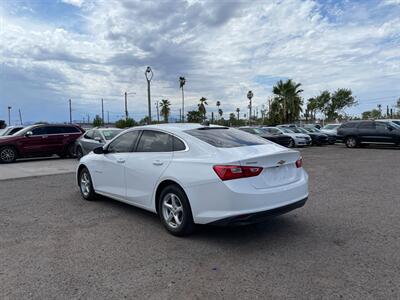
(281,162)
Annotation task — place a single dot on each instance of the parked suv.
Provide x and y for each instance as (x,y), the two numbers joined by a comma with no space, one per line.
(40,140)
(356,133)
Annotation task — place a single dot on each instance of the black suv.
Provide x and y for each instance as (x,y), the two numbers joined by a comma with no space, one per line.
(357,133)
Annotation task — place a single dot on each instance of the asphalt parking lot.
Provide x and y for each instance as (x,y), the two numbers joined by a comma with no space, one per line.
(343,244)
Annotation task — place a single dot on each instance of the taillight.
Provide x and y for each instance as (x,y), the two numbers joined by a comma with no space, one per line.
(235,172)
(299,162)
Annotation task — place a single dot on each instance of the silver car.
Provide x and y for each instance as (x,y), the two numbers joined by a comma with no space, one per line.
(94,138)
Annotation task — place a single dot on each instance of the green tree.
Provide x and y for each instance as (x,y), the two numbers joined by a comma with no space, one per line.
(288,100)
(97,121)
(202,107)
(194,116)
(341,99)
(125,123)
(312,107)
(371,114)
(165,109)
(323,102)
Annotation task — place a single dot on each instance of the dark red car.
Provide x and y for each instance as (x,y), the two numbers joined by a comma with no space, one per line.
(40,140)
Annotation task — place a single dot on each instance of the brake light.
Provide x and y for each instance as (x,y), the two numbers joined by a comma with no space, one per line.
(234,172)
(299,162)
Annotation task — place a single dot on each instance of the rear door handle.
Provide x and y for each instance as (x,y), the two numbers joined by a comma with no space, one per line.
(120,160)
(158,163)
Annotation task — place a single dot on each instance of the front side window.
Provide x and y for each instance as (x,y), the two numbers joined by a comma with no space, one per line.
(39,131)
(154,141)
(124,143)
(223,137)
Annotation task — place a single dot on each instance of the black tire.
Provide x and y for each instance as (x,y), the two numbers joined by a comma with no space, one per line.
(8,154)
(181,211)
(79,152)
(351,142)
(87,193)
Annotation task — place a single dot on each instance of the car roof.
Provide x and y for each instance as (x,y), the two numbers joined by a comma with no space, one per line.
(176,127)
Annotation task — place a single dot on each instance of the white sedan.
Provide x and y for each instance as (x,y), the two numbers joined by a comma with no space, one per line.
(192,174)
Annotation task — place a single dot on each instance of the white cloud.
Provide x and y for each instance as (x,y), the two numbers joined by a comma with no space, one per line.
(223,49)
(77,3)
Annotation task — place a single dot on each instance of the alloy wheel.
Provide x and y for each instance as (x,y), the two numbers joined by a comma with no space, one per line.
(351,142)
(7,155)
(172,210)
(85,184)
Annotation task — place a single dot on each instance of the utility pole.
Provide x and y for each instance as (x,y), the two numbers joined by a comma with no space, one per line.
(180,115)
(158,113)
(70,111)
(108,117)
(126,105)
(250,96)
(182,82)
(88,118)
(149,76)
(102,111)
(9,115)
(212,117)
(20,116)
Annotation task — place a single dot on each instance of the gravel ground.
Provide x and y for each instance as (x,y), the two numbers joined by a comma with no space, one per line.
(343,244)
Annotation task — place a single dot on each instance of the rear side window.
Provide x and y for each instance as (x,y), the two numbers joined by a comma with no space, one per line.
(124,143)
(14,130)
(154,141)
(178,145)
(55,130)
(366,125)
(225,137)
(70,129)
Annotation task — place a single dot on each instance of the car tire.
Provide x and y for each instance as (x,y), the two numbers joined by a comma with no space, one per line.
(79,152)
(292,143)
(351,142)
(174,211)
(8,154)
(86,185)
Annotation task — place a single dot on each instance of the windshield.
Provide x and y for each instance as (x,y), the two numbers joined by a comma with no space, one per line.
(286,130)
(396,122)
(302,130)
(25,130)
(331,126)
(226,137)
(111,133)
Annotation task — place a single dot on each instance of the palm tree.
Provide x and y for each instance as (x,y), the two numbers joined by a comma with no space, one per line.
(238,111)
(165,109)
(288,96)
(182,82)
(202,107)
(220,112)
(312,106)
(218,104)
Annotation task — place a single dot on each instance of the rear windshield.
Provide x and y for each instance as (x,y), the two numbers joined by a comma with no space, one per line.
(226,137)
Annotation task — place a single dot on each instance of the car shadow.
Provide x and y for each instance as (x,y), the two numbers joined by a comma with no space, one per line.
(272,229)
(43,158)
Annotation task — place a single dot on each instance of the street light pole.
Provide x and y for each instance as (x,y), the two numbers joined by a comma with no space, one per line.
(158,112)
(102,111)
(126,105)
(70,111)
(250,96)
(9,115)
(149,76)
(182,82)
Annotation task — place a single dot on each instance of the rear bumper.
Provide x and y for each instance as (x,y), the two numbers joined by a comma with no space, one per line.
(258,217)
(223,200)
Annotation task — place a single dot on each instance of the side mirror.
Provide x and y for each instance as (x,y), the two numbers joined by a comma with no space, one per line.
(99,150)
(98,139)
(28,133)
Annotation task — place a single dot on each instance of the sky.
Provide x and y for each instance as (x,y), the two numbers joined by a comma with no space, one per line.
(85,50)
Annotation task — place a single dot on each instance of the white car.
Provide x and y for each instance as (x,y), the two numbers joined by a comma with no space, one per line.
(298,139)
(330,129)
(192,174)
(395,121)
